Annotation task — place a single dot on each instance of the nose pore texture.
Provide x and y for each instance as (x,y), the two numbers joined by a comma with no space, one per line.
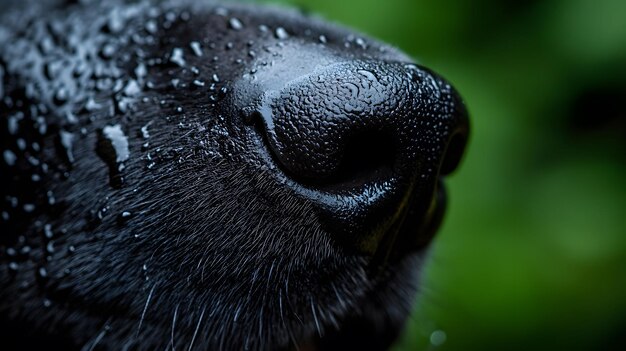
(362,114)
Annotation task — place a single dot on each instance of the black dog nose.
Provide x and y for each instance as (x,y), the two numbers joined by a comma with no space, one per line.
(359,121)
(367,140)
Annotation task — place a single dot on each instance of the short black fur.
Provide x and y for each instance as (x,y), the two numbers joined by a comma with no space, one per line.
(143,208)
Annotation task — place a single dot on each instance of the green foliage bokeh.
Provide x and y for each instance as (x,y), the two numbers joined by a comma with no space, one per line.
(532,253)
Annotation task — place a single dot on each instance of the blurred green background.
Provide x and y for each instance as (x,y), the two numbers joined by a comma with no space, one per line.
(532,254)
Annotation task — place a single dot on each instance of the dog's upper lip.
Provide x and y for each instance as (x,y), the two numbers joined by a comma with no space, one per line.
(412,231)
(434,215)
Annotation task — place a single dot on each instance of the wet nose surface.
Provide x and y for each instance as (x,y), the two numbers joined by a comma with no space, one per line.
(364,121)
(368,140)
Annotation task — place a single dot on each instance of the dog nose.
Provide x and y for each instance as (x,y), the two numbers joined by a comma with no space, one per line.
(367,141)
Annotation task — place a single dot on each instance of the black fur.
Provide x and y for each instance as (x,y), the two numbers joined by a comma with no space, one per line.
(147,205)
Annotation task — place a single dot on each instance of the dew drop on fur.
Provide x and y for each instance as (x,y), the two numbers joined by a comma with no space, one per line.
(112,147)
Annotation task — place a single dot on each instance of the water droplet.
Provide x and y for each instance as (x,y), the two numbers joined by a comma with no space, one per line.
(235,24)
(361,43)
(115,23)
(51,199)
(13,267)
(25,250)
(170,16)
(124,216)
(196,48)
(102,212)
(47,231)
(91,105)
(112,147)
(21,144)
(42,127)
(177,57)
(216,78)
(281,33)
(50,247)
(323,39)
(132,88)
(369,75)
(144,131)
(107,51)
(198,83)
(13,123)
(60,96)
(66,140)
(42,273)
(141,71)
(223,91)
(151,27)
(9,157)
(411,66)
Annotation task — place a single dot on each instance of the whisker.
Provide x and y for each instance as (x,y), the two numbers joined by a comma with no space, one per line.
(95,342)
(317,323)
(195,332)
(98,338)
(145,308)
(174,327)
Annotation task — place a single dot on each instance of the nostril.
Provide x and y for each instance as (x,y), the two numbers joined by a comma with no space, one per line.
(454,152)
(367,156)
(364,157)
